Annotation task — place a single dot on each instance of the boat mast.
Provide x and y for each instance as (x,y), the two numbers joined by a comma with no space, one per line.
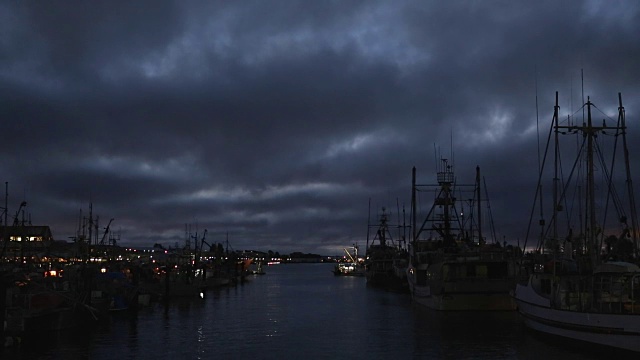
(404,228)
(589,131)
(6,211)
(400,236)
(480,240)
(591,203)
(413,209)
(556,179)
(445,180)
(368,226)
(632,201)
(90,225)
(382,230)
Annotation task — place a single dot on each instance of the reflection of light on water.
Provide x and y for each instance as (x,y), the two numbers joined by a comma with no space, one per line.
(201,336)
(273,327)
(304,311)
(202,346)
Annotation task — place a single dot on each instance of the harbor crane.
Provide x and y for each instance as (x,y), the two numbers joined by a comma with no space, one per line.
(106,231)
(15,219)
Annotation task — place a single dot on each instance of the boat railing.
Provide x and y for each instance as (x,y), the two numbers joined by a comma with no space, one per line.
(620,294)
(479,255)
(605,293)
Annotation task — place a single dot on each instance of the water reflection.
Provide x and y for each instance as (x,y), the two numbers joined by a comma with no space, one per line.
(303,311)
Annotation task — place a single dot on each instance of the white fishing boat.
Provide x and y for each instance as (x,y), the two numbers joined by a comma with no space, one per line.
(350,265)
(452,266)
(586,286)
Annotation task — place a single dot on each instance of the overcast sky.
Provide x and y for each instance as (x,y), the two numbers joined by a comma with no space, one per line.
(277,121)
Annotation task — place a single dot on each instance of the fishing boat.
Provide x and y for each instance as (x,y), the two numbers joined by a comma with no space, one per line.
(452,266)
(217,273)
(38,302)
(384,256)
(258,269)
(583,281)
(351,265)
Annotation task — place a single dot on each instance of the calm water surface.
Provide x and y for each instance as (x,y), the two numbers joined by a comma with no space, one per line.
(302,311)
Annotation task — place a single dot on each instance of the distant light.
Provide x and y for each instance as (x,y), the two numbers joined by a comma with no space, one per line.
(103,270)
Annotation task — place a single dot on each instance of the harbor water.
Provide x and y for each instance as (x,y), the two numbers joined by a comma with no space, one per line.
(300,311)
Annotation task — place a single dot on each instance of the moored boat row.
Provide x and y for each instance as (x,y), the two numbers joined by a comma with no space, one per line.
(582,280)
(51,286)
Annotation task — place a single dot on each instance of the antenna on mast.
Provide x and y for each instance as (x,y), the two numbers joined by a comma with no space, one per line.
(537,117)
(436,157)
(582,86)
(451,146)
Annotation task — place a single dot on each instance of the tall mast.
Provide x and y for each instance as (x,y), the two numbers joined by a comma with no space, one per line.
(368,226)
(445,179)
(556,179)
(413,207)
(6,206)
(383,227)
(5,239)
(632,201)
(589,131)
(90,223)
(591,204)
(480,240)
(400,237)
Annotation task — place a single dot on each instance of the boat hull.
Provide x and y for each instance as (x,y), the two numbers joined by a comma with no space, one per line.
(462,301)
(615,330)
(429,286)
(351,273)
(348,269)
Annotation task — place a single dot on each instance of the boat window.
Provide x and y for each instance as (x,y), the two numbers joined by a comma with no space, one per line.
(482,271)
(471,270)
(421,277)
(545,286)
(498,270)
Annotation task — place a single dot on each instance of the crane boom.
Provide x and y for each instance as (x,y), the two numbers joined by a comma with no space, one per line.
(106,231)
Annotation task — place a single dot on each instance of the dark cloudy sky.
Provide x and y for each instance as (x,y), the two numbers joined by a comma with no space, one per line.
(277,121)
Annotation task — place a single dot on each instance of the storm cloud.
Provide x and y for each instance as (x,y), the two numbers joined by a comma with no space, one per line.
(277,121)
